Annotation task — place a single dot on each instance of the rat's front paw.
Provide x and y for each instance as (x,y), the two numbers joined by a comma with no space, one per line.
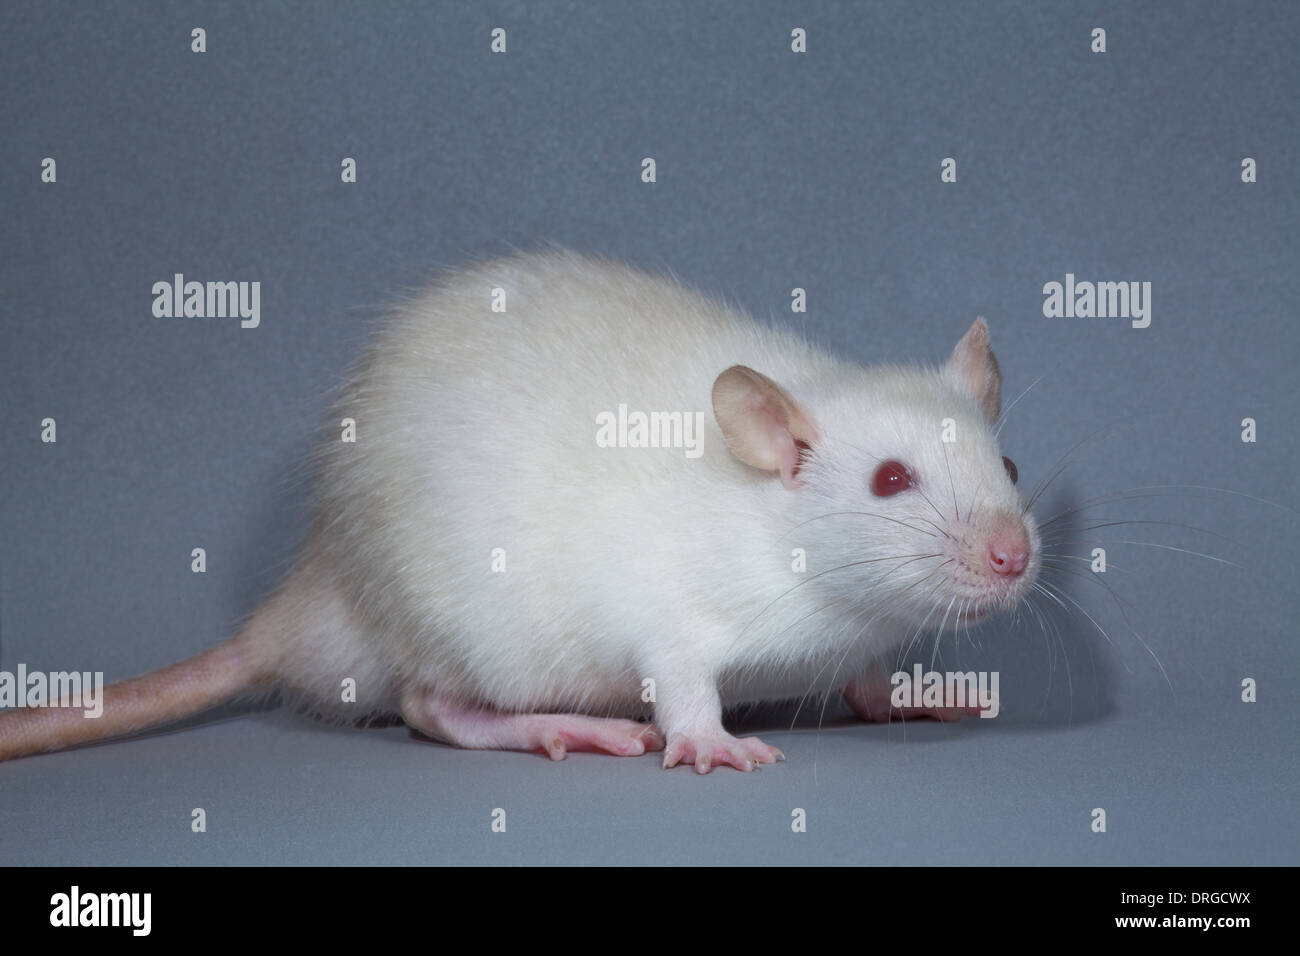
(718,748)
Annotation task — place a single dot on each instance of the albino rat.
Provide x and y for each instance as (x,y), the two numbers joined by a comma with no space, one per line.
(498,558)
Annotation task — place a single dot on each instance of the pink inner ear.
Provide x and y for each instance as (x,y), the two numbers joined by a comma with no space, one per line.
(762,425)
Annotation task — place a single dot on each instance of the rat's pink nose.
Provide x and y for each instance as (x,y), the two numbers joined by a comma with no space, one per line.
(1008,546)
(1009,553)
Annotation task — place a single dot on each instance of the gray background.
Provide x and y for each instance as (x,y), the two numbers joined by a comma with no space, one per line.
(775,171)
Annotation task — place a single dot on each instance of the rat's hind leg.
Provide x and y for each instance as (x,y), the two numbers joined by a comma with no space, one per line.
(552,734)
(869,696)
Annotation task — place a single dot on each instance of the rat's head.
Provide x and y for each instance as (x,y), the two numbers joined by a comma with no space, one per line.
(896,477)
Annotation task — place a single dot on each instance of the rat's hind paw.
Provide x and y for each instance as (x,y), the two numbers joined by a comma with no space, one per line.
(912,713)
(719,748)
(552,734)
(869,696)
(557,734)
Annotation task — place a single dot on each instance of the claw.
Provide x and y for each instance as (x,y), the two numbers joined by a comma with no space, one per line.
(718,748)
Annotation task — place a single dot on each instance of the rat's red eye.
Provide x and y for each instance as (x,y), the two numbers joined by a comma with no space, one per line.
(891,478)
(1010,466)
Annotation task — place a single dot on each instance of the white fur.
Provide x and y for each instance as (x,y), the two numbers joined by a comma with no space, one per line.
(476,431)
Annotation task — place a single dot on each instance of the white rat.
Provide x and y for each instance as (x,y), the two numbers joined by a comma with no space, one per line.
(486,564)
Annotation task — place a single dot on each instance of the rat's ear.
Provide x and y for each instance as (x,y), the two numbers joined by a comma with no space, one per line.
(974,370)
(762,424)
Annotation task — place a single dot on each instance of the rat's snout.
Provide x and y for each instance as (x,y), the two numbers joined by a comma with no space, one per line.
(1008,551)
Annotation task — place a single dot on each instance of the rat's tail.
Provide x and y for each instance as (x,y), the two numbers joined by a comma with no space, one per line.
(159,697)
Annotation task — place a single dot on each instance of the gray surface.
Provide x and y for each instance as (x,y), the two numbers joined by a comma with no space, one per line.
(775,170)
